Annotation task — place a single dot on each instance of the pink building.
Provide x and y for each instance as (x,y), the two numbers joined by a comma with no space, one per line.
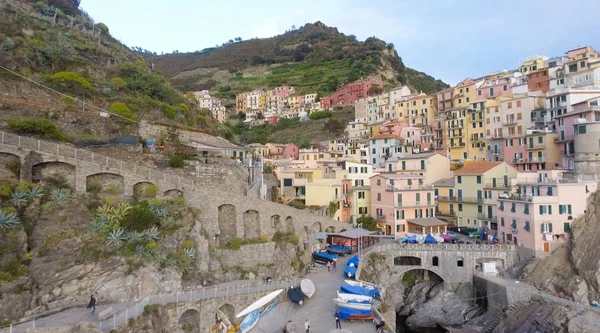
(402,204)
(351,92)
(291,152)
(539,216)
(284,91)
(393,127)
(493,86)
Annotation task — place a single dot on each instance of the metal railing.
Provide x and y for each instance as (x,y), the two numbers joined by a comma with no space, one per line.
(127,311)
(415,204)
(409,187)
(445,246)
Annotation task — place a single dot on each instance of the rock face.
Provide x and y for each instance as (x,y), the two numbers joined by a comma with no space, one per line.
(586,244)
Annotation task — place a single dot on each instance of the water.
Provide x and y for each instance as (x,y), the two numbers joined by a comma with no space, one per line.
(402,328)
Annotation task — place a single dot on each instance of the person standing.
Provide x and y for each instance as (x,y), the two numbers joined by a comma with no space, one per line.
(334,264)
(92,305)
(338,324)
(329,266)
(306,326)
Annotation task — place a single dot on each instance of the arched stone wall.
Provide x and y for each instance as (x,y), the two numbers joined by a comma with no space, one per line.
(110,182)
(408,261)
(251,219)
(276,224)
(189,321)
(47,171)
(307,233)
(173,194)
(10,166)
(226,312)
(289,225)
(316,227)
(227,219)
(426,270)
(330,229)
(144,190)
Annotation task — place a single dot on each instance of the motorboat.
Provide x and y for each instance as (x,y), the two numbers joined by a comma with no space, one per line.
(324,257)
(360,291)
(259,303)
(352,304)
(349,297)
(339,250)
(307,287)
(350,272)
(353,261)
(360,284)
(296,295)
(355,314)
(250,321)
(268,309)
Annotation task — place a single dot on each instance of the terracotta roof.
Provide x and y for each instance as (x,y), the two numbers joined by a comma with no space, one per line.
(383,136)
(444,183)
(476,168)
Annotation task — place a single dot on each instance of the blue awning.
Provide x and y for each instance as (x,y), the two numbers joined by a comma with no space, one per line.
(320,235)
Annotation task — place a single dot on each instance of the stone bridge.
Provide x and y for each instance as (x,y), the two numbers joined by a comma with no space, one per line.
(454,263)
(252,217)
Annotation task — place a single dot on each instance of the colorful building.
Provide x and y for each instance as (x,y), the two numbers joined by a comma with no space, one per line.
(432,166)
(349,93)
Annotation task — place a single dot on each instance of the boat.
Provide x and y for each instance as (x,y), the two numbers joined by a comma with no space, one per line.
(353,297)
(324,257)
(355,314)
(307,287)
(352,304)
(447,238)
(250,321)
(233,329)
(268,309)
(350,271)
(430,239)
(361,284)
(338,249)
(260,303)
(353,261)
(296,295)
(360,291)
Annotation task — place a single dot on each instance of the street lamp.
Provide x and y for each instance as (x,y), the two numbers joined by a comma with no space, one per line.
(359,240)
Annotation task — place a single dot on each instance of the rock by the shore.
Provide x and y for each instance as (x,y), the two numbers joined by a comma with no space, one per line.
(445,308)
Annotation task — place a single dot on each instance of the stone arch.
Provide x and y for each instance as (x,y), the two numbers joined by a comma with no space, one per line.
(276,223)
(330,229)
(10,166)
(145,190)
(227,223)
(189,321)
(251,220)
(173,193)
(407,261)
(226,312)
(289,225)
(433,274)
(49,172)
(316,227)
(110,182)
(499,261)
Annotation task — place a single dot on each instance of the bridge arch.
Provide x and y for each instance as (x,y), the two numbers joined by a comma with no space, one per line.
(54,171)
(227,219)
(251,219)
(144,189)
(330,229)
(112,182)
(432,273)
(189,321)
(10,166)
(226,312)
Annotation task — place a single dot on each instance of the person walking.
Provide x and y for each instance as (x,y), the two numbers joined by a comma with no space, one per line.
(307,326)
(92,305)
(338,324)
(334,264)
(329,266)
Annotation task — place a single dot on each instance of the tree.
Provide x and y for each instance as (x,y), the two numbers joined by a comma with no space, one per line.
(375,90)
(368,222)
(72,82)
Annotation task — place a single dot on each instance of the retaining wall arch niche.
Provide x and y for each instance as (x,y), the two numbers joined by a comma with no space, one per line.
(289,225)
(189,322)
(52,171)
(251,219)
(276,224)
(10,166)
(227,219)
(173,193)
(143,189)
(107,180)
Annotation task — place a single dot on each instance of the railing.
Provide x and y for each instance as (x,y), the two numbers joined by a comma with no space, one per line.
(537,146)
(509,122)
(485,217)
(455,145)
(409,187)
(499,185)
(445,246)
(446,198)
(132,310)
(415,204)
(565,138)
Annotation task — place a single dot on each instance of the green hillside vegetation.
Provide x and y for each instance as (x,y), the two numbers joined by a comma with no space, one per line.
(314,57)
(56,44)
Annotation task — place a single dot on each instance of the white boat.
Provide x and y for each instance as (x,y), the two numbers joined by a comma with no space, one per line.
(351,304)
(350,297)
(260,303)
(307,287)
(249,322)
(360,284)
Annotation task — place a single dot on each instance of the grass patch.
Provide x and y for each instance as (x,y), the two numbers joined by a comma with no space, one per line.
(34,126)
(287,237)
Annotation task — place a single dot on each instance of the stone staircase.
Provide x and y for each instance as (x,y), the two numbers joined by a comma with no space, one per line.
(502,314)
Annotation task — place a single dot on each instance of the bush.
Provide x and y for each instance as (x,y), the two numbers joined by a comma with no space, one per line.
(118,84)
(176,161)
(43,127)
(151,191)
(103,27)
(152,246)
(189,244)
(170,111)
(121,110)
(319,115)
(147,309)
(235,244)
(286,237)
(72,82)
(94,187)
(8,44)
(69,102)
(140,217)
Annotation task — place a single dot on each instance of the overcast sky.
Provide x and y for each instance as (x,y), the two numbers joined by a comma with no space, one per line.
(448,39)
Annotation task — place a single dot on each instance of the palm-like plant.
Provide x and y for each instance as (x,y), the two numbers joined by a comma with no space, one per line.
(8,220)
(151,234)
(116,236)
(190,253)
(97,223)
(19,199)
(35,192)
(134,236)
(104,210)
(60,194)
(118,213)
(140,250)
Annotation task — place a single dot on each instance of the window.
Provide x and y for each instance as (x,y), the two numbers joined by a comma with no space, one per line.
(501,206)
(467,99)
(480,209)
(434,261)
(378,196)
(422,164)
(378,181)
(526,210)
(478,179)
(546,227)
(399,199)
(491,91)
(479,92)
(501,221)
(361,195)
(374,151)
(460,207)
(514,224)
(403,165)
(545,209)
(460,262)
(518,104)
(513,207)
(505,87)
(362,210)
(510,105)
(567,226)
(527,226)
(564,209)
(287,182)
(459,179)
(581,129)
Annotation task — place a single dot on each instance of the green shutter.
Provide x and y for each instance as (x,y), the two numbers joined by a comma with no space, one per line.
(410,182)
(560,209)
(549,227)
(428,198)
(550,209)
(541,209)
(542,227)
(397,215)
(569,208)
(402,214)
(400,199)
(418,197)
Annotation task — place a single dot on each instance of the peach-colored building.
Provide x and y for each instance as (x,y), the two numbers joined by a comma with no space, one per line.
(403,204)
(539,216)
(537,150)
(291,152)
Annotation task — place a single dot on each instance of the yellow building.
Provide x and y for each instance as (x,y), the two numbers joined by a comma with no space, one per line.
(432,166)
(475,129)
(262,101)
(456,134)
(420,109)
(532,64)
(446,208)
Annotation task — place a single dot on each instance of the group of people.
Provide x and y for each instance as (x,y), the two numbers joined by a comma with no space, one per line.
(331,266)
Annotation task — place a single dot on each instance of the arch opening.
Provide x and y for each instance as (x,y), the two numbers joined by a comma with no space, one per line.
(419,274)
(289,224)
(407,261)
(58,174)
(227,223)
(330,229)
(435,261)
(251,220)
(106,182)
(276,224)
(10,166)
(226,312)
(145,190)
(189,321)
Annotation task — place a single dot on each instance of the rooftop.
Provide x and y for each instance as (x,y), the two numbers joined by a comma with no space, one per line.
(476,168)
(428,222)
(354,233)
(416,156)
(383,136)
(444,183)
(398,176)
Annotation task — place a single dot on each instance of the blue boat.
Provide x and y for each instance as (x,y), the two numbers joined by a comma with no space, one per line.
(324,257)
(411,239)
(337,249)
(250,321)
(268,309)
(350,271)
(430,240)
(353,261)
(348,313)
(360,291)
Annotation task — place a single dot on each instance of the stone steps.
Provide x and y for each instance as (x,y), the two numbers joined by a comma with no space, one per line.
(502,315)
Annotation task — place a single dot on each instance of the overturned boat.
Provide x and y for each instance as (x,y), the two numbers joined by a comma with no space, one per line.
(355,314)
(339,250)
(307,287)
(350,297)
(360,291)
(296,295)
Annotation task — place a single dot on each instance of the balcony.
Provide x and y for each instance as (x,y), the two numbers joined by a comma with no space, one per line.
(537,146)
(380,217)
(485,217)
(440,213)
(455,134)
(469,199)
(510,122)
(566,153)
(537,159)
(409,187)
(541,199)
(443,198)
(496,185)
(566,138)
(415,204)
(477,138)
(457,145)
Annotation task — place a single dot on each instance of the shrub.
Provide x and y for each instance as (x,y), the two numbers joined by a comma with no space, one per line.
(69,102)
(184,107)
(151,191)
(131,322)
(94,187)
(72,82)
(170,111)
(103,27)
(118,83)
(121,110)
(16,269)
(14,166)
(319,114)
(140,217)
(176,161)
(113,189)
(8,44)
(286,237)
(152,246)
(235,244)
(43,127)
(147,309)
(189,244)
(5,190)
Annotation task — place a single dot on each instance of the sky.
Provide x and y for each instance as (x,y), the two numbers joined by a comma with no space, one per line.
(448,39)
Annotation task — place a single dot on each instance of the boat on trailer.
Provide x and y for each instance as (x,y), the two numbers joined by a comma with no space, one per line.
(352,304)
(349,297)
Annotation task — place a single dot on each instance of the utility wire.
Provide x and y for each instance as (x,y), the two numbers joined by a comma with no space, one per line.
(65,95)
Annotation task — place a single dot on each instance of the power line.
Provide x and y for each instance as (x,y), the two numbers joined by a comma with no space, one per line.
(65,95)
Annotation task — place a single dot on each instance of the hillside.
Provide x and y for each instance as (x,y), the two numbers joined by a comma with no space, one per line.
(314,57)
(60,69)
